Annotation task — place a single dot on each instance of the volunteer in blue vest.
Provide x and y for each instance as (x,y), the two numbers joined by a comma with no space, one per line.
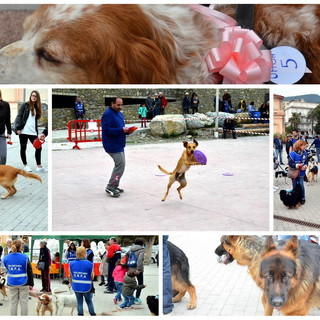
(82,273)
(71,252)
(19,278)
(138,248)
(298,159)
(114,141)
(79,109)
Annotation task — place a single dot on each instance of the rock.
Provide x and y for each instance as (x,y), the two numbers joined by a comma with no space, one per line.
(198,121)
(222,116)
(170,124)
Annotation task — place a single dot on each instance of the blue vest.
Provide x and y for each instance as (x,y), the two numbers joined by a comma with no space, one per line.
(79,108)
(16,265)
(81,271)
(71,255)
(297,158)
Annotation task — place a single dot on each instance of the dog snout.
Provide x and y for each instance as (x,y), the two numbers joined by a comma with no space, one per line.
(277,301)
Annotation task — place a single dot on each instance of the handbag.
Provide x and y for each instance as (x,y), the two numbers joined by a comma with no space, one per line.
(41,265)
(293,173)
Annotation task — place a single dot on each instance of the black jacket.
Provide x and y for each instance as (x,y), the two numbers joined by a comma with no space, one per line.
(5,121)
(22,117)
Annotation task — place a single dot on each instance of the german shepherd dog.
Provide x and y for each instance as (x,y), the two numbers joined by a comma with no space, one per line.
(291,276)
(185,162)
(8,177)
(180,276)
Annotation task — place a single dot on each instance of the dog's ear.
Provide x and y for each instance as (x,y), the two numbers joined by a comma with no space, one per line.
(195,141)
(293,245)
(185,144)
(269,245)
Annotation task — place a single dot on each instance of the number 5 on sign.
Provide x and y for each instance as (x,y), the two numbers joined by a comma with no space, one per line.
(289,65)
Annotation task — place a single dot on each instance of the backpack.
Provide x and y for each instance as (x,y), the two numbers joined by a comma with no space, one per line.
(132,260)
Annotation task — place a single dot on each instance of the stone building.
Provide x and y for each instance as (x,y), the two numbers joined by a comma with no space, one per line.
(278,114)
(97,100)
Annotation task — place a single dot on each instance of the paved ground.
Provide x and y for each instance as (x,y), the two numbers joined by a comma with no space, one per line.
(309,212)
(222,290)
(211,201)
(27,210)
(103,302)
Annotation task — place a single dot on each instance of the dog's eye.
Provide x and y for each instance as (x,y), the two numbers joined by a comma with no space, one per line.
(45,55)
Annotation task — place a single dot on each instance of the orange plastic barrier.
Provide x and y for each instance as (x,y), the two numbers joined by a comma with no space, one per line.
(84,131)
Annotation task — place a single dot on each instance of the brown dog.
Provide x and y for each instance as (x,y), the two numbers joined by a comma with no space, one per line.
(44,304)
(8,177)
(3,289)
(185,162)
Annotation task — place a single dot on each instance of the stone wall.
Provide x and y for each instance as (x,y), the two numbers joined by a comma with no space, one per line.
(94,101)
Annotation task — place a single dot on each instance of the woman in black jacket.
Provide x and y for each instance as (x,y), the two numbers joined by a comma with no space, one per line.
(26,126)
(45,273)
(5,123)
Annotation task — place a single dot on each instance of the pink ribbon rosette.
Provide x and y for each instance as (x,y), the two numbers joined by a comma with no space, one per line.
(238,58)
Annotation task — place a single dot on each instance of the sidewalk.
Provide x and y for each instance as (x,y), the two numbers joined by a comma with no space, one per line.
(27,210)
(309,212)
(212,201)
(103,302)
(222,290)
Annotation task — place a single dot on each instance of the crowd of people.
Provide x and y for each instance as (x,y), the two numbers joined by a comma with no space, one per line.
(122,274)
(25,126)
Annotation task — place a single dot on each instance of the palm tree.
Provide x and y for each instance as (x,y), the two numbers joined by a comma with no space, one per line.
(295,119)
(312,115)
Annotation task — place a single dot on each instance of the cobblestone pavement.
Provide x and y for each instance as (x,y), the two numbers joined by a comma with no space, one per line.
(103,302)
(27,210)
(309,212)
(222,290)
(211,201)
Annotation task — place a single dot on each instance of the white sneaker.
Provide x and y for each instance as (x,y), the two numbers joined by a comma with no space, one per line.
(27,169)
(41,169)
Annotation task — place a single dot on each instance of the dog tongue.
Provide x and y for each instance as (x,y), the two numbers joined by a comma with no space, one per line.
(225,258)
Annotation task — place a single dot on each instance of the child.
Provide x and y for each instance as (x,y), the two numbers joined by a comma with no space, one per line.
(143,114)
(130,284)
(118,276)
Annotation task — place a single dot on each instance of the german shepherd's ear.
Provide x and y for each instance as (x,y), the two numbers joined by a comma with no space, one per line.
(195,141)
(269,245)
(185,143)
(293,245)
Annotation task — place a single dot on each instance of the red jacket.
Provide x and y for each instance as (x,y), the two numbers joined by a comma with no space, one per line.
(112,249)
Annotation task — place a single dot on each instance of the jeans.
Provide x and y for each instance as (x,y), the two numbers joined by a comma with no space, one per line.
(3,149)
(119,286)
(88,297)
(167,284)
(318,154)
(278,154)
(128,301)
(299,180)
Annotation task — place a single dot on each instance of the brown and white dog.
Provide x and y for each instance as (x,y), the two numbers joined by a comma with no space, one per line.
(44,304)
(3,288)
(142,43)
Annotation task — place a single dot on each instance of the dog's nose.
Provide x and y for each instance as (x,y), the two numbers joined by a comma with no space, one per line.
(277,301)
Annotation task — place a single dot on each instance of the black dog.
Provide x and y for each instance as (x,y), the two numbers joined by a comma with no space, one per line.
(180,276)
(153,304)
(292,199)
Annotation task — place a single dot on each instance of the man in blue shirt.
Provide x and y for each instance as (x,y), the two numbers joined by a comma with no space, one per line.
(316,143)
(114,141)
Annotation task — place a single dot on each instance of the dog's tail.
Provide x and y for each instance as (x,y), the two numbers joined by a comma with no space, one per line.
(163,170)
(29,175)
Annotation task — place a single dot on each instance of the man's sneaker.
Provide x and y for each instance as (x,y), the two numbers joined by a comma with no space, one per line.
(107,291)
(41,169)
(113,193)
(27,169)
(118,307)
(120,190)
(137,301)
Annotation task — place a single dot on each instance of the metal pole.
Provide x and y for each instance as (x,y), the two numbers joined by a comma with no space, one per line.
(216,133)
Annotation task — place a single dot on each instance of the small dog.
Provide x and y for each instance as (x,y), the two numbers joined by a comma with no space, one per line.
(180,276)
(312,172)
(44,304)
(3,289)
(185,162)
(292,199)
(64,300)
(8,177)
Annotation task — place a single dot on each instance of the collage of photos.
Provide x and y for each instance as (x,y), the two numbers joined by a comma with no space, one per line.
(159,160)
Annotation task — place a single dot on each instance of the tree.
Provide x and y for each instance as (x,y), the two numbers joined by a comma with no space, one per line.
(315,114)
(295,119)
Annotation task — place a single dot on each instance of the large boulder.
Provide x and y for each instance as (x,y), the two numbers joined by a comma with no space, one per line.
(169,124)
(221,115)
(198,121)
